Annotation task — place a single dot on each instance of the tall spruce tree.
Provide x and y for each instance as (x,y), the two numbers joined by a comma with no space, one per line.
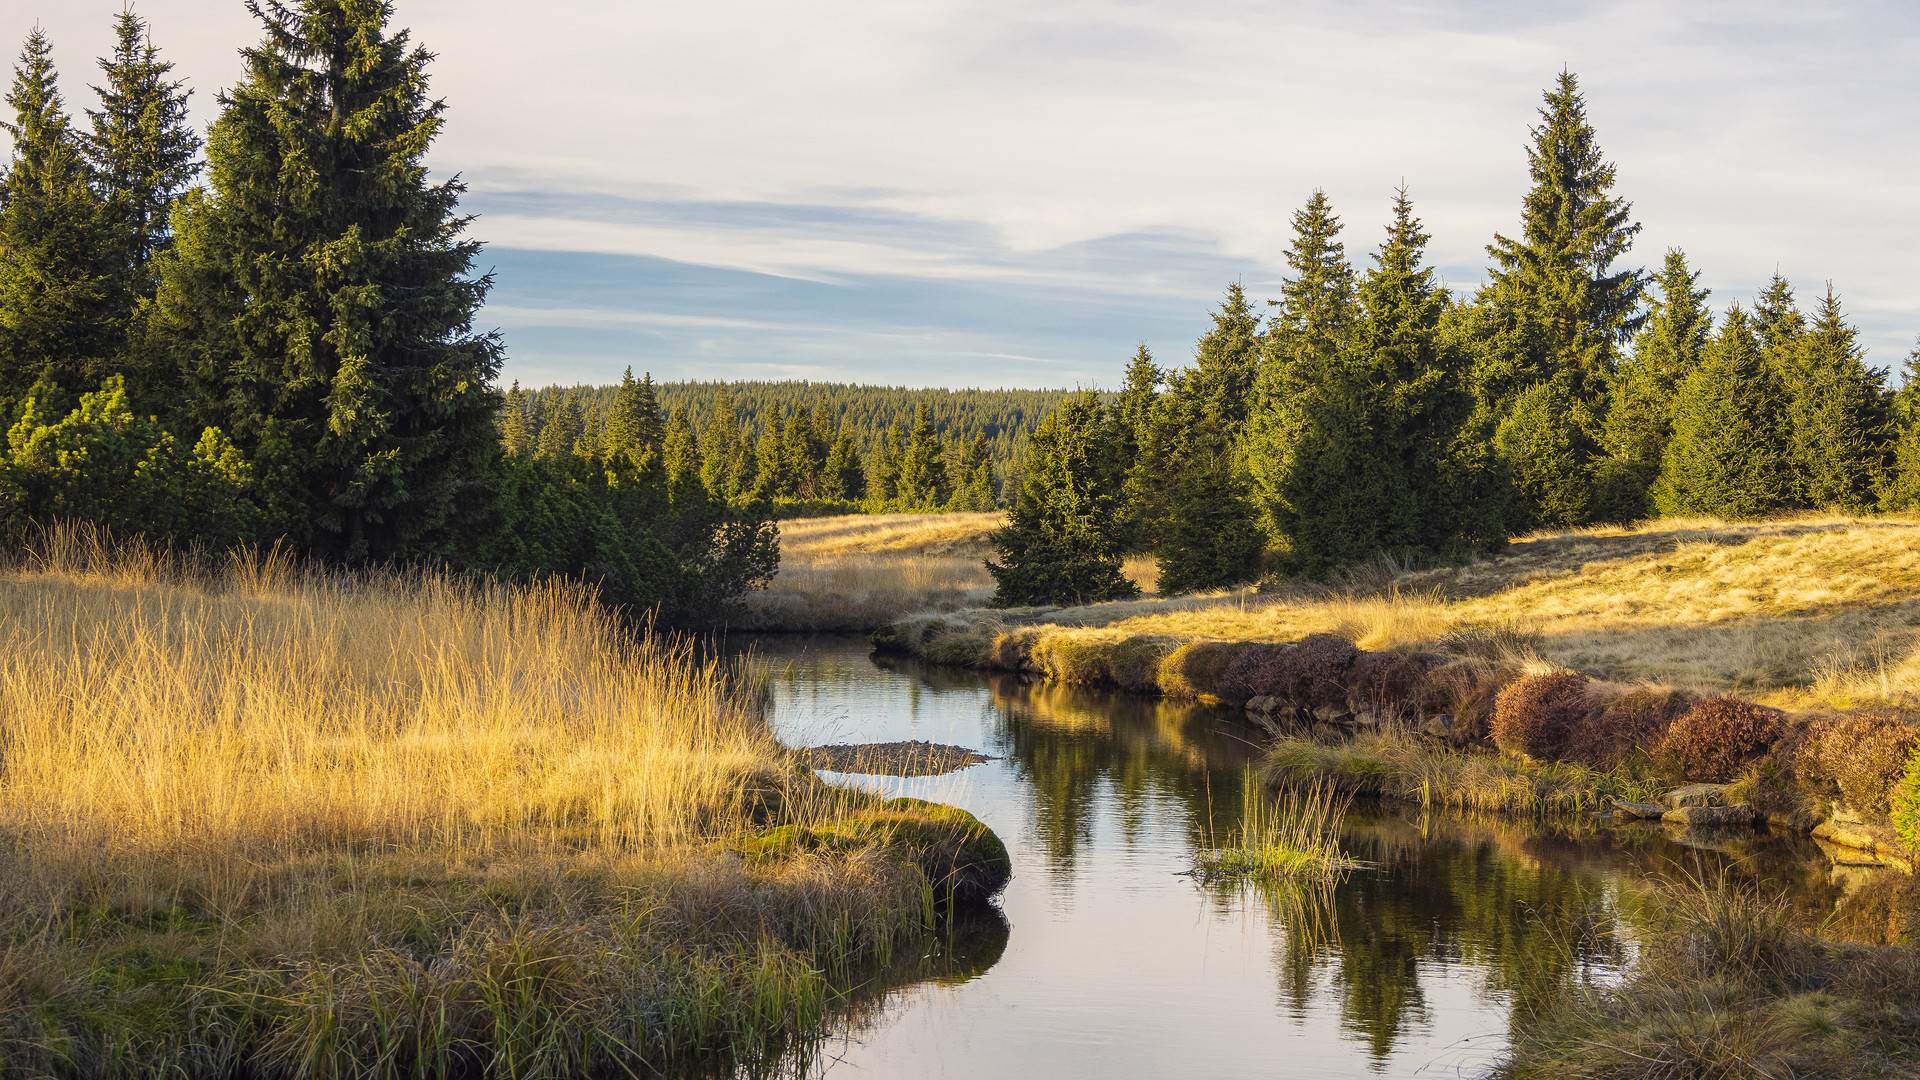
(1228,360)
(1212,537)
(516,435)
(142,146)
(632,423)
(1316,313)
(1839,415)
(320,298)
(1779,324)
(1379,464)
(1900,489)
(1063,539)
(1640,419)
(843,477)
(1728,456)
(923,483)
(722,448)
(63,306)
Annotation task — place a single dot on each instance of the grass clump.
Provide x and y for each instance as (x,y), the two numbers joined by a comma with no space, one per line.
(1728,985)
(1294,837)
(268,819)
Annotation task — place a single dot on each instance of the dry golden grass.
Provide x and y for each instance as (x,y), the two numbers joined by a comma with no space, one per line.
(860,571)
(1809,611)
(334,824)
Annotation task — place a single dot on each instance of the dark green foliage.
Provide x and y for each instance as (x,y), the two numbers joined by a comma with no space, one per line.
(1212,537)
(1640,419)
(142,151)
(1900,490)
(1538,714)
(843,477)
(1728,456)
(1839,416)
(727,465)
(632,421)
(1380,462)
(1227,360)
(1716,738)
(975,490)
(63,304)
(319,298)
(1548,456)
(922,483)
(1060,543)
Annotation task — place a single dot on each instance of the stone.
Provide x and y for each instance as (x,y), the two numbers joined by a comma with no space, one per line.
(1697,795)
(1739,814)
(1437,728)
(1263,704)
(1643,810)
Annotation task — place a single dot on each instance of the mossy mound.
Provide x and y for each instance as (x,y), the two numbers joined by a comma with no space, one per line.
(962,858)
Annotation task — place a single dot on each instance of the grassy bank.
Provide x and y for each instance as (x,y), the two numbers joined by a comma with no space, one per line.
(858,572)
(272,820)
(1727,984)
(1807,612)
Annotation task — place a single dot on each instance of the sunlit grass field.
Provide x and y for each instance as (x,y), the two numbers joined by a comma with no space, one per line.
(1814,610)
(266,818)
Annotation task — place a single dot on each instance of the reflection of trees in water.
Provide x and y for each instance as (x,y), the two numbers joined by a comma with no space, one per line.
(1075,747)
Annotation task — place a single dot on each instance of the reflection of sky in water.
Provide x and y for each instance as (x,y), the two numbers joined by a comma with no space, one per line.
(1118,966)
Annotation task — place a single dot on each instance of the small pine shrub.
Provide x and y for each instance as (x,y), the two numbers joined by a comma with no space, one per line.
(1537,714)
(1863,756)
(1135,662)
(1391,685)
(1313,672)
(1244,677)
(1716,738)
(1906,803)
(1465,690)
(1635,721)
(1197,668)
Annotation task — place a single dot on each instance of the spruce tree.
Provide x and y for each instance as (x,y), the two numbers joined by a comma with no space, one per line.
(1062,542)
(721,446)
(1900,489)
(680,456)
(632,422)
(1728,456)
(63,307)
(1212,538)
(1572,231)
(1839,415)
(1779,325)
(975,490)
(1227,361)
(806,451)
(923,483)
(1316,312)
(883,472)
(516,435)
(1379,464)
(1666,351)
(774,480)
(320,297)
(142,147)
(559,430)
(842,477)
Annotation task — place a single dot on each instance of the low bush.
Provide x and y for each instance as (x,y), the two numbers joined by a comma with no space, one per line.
(1465,690)
(1537,714)
(1070,659)
(1862,756)
(1311,673)
(1244,677)
(1391,685)
(1012,651)
(1635,721)
(1196,669)
(1135,662)
(1716,738)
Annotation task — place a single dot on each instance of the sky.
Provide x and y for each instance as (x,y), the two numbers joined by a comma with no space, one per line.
(997,193)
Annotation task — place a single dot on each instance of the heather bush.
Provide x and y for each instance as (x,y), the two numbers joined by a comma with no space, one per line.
(1465,690)
(1245,677)
(1634,721)
(1716,738)
(1312,672)
(1391,685)
(1862,756)
(1537,714)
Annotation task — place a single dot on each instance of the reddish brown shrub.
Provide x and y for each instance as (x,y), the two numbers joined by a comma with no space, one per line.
(1391,685)
(1312,672)
(1198,668)
(1465,690)
(1634,721)
(1536,714)
(1246,676)
(1715,738)
(1862,755)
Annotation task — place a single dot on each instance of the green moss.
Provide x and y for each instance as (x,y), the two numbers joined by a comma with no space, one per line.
(961,858)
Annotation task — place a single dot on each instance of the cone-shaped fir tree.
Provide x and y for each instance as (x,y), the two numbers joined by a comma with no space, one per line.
(1728,455)
(774,479)
(516,435)
(1779,324)
(1380,464)
(320,297)
(843,477)
(1227,361)
(975,489)
(1839,416)
(1212,537)
(63,304)
(142,147)
(1640,421)
(806,449)
(1900,490)
(1060,544)
(1316,312)
(923,483)
(632,424)
(721,448)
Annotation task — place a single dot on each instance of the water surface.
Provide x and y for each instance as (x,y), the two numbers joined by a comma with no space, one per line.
(1113,962)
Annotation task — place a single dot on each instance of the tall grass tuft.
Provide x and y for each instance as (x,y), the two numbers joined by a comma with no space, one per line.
(1292,837)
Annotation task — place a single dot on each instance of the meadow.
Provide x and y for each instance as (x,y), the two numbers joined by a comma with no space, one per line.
(262,817)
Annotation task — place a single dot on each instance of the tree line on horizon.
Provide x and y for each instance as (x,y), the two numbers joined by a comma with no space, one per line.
(276,344)
(810,446)
(1371,411)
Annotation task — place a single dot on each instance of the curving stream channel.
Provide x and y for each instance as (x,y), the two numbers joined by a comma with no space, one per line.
(1111,962)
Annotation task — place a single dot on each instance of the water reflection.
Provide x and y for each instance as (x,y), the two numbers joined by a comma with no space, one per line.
(1118,966)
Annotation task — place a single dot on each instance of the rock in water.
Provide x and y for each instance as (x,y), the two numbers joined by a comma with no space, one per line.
(1740,814)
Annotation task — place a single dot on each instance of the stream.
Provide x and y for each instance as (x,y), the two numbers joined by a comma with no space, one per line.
(1112,962)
